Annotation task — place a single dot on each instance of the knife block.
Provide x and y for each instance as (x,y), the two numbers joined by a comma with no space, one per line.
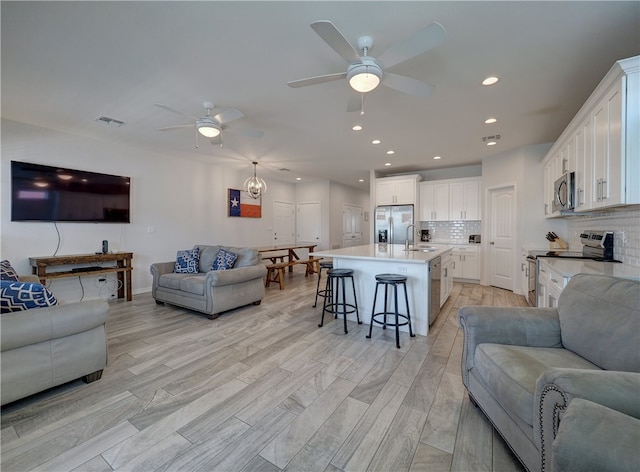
(558,244)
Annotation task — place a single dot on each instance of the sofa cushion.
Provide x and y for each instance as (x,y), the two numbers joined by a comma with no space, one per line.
(509,373)
(246,256)
(187,261)
(224,260)
(18,296)
(171,280)
(7,272)
(193,284)
(208,254)
(600,320)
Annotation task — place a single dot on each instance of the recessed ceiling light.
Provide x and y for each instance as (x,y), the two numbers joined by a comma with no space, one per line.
(356,127)
(387,164)
(437,157)
(298,178)
(360,180)
(490,120)
(490,80)
(491,143)
(375,141)
(391,151)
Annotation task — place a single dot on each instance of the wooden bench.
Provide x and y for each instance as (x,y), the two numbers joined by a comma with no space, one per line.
(275,271)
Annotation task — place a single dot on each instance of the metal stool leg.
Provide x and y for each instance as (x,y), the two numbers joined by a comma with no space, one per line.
(355,300)
(328,296)
(373,310)
(315,303)
(406,300)
(395,299)
(344,306)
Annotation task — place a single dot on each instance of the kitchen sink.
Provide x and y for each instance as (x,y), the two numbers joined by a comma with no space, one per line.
(421,249)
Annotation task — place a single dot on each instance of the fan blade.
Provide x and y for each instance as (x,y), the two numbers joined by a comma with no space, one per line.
(414,45)
(176,127)
(317,80)
(252,133)
(407,85)
(230,114)
(167,107)
(334,38)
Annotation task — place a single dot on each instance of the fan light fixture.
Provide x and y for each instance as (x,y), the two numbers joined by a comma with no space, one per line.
(207,127)
(255,186)
(364,76)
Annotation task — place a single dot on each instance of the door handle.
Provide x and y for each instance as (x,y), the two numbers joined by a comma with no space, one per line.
(492,243)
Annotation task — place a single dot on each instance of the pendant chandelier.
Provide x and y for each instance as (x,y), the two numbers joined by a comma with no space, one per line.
(255,186)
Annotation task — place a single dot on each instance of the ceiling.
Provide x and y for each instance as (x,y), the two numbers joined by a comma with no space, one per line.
(65,64)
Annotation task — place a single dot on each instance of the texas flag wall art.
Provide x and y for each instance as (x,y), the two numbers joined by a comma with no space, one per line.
(241,204)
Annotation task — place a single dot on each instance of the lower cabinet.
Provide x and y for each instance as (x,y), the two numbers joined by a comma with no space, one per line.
(465,262)
(446,277)
(550,285)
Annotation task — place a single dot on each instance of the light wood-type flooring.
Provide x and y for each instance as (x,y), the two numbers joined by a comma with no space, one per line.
(262,388)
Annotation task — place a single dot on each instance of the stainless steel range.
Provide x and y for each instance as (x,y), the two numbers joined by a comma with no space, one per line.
(596,246)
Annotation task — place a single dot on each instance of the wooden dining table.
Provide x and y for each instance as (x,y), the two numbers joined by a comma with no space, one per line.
(285,253)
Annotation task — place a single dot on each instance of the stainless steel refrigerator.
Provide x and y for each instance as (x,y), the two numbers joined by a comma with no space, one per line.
(391,224)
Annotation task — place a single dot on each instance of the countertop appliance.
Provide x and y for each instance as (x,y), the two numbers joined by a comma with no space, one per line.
(435,276)
(563,192)
(424,235)
(596,246)
(474,239)
(391,223)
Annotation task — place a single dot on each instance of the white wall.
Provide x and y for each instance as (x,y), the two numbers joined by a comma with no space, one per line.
(181,200)
(341,195)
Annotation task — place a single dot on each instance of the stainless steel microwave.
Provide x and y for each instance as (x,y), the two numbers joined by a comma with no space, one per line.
(563,192)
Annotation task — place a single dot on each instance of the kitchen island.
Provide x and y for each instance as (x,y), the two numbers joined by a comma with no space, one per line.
(371,259)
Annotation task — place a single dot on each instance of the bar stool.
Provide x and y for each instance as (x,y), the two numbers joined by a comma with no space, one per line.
(333,303)
(391,280)
(322,293)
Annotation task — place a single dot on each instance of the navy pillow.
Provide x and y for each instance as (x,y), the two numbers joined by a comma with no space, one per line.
(19,296)
(224,260)
(187,262)
(7,272)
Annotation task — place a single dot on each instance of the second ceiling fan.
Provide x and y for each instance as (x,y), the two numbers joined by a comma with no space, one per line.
(365,72)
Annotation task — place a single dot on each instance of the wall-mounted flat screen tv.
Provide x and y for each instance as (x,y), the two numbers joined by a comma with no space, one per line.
(46,193)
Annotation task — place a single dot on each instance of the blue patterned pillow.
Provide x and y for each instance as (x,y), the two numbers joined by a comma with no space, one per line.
(224,260)
(187,261)
(7,272)
(18,296)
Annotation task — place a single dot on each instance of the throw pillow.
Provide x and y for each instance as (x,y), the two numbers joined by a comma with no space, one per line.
(187,261)
(7,272)
(224,260)
(18,296)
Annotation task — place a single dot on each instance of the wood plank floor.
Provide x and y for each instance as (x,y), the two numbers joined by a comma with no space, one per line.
(262,388)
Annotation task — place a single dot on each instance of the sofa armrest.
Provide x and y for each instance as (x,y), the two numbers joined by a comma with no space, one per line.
(219,278)
(521,326)
(42,324)
(159,268)
(555,388)
(592,437)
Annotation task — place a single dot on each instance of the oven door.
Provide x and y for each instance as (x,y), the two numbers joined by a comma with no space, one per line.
(532,277)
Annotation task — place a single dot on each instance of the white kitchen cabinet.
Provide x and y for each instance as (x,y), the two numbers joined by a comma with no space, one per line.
(465,262)
(434,201)
(446,277)
(464,200)
(601,144)
(397,190)
(550,285)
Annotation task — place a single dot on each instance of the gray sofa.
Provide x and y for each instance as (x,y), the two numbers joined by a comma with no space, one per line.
(211,291)
(46,347)
(524,366)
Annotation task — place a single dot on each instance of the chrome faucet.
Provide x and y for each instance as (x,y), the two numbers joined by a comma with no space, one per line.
(406,241)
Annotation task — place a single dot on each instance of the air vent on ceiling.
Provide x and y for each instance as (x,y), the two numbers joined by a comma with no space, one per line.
(110,121)
(284,169)
(490,138)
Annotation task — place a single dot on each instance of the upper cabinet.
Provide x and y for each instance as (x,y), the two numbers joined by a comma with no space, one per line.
(601,145)
(397,190)
(450,200)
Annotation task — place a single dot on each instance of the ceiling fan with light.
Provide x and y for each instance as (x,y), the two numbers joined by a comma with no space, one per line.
(364,72)
(211,126)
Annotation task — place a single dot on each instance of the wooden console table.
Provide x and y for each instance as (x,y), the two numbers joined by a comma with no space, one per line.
(123,268)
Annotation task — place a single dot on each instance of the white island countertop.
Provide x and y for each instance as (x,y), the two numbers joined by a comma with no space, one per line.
(389,252)
(571,267)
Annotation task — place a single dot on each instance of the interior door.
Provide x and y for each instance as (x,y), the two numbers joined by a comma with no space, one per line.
(308,223)
(283,223)
(351,225)
(501,249)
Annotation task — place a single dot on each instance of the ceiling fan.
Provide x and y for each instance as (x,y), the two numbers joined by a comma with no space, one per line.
(211,126)
(364,73)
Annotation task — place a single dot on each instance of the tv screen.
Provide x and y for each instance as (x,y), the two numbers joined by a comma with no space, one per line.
(45,193)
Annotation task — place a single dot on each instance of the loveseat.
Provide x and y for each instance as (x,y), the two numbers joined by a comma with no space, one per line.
(211,291)
(524,366)
(49,346)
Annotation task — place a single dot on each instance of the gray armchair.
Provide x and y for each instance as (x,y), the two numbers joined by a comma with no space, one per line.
(523,366)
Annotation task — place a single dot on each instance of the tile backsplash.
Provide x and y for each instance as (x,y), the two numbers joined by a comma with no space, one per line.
(455,232)
(624,223)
